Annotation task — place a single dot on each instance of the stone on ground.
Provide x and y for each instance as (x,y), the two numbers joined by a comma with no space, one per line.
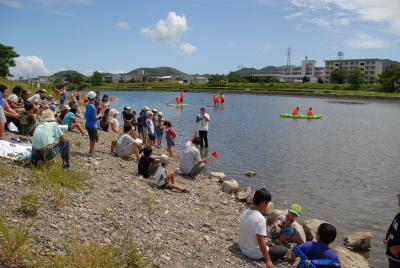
(311,228)
(250,173)
(273,216)
(349,259)
(230,187)
(244,194)
(358,240)
(300,236)
(217,176)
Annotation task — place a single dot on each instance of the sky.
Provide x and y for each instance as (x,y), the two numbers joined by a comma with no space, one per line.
(194,36)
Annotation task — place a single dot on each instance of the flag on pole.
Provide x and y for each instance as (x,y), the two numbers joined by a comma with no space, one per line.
(215,155)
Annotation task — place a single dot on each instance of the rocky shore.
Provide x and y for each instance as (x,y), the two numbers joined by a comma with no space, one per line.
(195,229)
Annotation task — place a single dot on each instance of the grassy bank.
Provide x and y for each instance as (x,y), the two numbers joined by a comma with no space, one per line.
(297,89)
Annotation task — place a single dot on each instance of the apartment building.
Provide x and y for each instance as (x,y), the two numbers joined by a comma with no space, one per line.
(370,68)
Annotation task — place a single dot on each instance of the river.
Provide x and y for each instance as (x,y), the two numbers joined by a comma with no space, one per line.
(343,169)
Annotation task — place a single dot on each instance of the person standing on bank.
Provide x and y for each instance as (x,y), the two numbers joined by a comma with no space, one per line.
(202,121)
(392,241)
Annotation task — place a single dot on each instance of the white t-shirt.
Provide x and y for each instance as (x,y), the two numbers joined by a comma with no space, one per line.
(150,124)
(252,223)
(13,98)
(35,98)
(160,176)
(191,156)
(202,124)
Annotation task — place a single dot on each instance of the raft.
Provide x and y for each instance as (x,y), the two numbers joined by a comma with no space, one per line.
(219,106)
(301,116)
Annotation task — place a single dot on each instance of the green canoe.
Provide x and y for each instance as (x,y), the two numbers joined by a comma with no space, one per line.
(301,116)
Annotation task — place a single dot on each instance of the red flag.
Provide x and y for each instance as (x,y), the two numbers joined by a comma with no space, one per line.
(215,154)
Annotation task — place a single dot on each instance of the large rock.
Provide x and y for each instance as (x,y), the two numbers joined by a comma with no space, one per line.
(250,199)
(311,228)
(349,259)
(244,194)
(300,236)
(274,215)
(358,240)
(250,173)
(217,176)
(230,187)
(270,208)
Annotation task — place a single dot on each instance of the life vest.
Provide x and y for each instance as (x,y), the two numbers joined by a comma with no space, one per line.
(306,263)
(309,113)
(178,99)
(295,111)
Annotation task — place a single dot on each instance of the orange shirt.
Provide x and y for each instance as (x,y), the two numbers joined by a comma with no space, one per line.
(296,111)
(309,113)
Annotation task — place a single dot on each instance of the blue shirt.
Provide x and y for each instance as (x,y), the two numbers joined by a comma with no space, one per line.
(1,99)
(91,116)
(68,119)
(317,250)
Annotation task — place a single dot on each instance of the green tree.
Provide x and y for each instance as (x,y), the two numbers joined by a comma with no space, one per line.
(306,79)
(74,77)
(355,78)
(97,78)
(390,78)
(338,76)
(7,55)
(236,77)
(216,80)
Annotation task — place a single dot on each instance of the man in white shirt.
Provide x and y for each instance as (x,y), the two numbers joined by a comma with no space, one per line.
(202,121)
(253,228)
(37,98)
(191,162)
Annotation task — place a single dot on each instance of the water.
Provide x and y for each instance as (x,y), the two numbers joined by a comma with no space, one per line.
(343,168)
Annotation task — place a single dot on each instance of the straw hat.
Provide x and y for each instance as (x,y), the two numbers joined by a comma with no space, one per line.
(47,116)
(146,108)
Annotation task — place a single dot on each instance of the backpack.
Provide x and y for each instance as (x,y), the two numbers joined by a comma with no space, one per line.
(172,131)
(306,263)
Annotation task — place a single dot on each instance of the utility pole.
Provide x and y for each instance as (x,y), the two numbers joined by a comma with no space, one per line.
(288,54)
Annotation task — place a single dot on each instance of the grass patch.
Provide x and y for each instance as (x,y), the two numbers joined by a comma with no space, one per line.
(59,196)
(95,254)
(30,203)
(13,240)
(52,174)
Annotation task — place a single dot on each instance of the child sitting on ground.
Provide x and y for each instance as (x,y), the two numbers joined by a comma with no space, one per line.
(282,229)
(164,179)
(147,163)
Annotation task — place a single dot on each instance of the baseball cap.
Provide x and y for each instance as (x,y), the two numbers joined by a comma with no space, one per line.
(295,209)
(66,107)
(91,95)
(113,112)
(163,159)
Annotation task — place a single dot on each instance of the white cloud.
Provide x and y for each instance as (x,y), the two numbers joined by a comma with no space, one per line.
(365,41)
(123,25)
(63,2)
(31,65)
(382,11)
(11,3)
(342,21)
(294,15)
(320,22)
(168,30)
(187,48)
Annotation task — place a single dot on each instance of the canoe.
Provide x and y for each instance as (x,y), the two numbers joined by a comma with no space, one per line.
(178,105)
(301,116)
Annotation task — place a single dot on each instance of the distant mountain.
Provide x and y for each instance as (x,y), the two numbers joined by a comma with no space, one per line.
(387,62)
(158,71)
(251,71)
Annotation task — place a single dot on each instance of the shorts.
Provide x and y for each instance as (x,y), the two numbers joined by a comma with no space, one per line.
(151,137)
(170,141)
(93,135)
(2,115)
(159,133)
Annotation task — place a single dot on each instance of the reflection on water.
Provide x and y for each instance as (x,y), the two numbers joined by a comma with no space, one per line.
(343,168)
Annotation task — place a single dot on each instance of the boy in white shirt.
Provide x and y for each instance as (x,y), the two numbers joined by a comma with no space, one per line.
(253,228)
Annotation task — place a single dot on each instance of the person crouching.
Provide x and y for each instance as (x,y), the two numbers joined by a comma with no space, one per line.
(43,138)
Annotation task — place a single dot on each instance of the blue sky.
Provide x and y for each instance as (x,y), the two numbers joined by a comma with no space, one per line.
(195,36)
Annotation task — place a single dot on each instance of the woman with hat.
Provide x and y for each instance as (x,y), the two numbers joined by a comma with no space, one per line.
(43,138)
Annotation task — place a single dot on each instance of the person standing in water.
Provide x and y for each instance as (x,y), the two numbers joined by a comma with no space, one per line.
(392,241)
(202,121)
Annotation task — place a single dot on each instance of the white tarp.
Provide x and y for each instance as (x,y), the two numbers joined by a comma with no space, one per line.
(15,151)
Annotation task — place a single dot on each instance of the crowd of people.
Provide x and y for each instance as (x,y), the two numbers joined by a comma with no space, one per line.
(48,121)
